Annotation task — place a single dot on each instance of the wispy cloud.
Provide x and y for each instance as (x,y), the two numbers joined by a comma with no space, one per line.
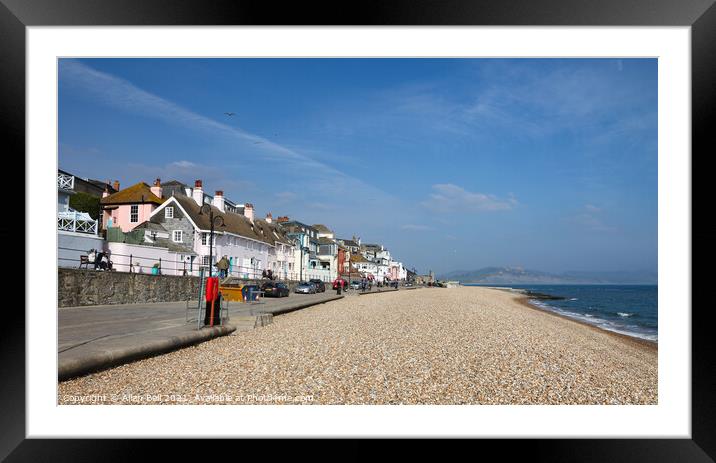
(447,197)
(316,178)
(119,93)
(415,227)
(183,164)
(285,196)
(591,218)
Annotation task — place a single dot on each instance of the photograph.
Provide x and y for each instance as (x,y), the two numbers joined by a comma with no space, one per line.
(357,231)
(409,220)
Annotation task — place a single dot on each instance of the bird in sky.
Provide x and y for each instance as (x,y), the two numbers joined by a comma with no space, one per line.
(230,114)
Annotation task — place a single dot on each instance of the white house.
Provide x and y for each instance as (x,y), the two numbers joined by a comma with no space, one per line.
(248,244)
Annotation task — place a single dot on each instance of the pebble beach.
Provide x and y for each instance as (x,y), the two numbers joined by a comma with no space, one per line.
(465,345)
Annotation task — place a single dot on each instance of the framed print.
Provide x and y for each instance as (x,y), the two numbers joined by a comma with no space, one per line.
(398,220)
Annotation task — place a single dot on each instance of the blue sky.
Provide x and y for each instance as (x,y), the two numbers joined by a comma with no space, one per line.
(453,164)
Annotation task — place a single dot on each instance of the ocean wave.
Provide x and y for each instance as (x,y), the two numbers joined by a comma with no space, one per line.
(630,330)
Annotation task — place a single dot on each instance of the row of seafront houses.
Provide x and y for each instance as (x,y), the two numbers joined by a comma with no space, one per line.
(165,228)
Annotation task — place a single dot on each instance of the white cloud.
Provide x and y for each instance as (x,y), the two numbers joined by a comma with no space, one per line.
(591,218)
(414,227)
(183,164)
(447,197)
(121,94)
(285,196)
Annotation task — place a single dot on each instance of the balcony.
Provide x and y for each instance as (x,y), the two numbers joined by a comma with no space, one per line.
(78,222)
(65,182)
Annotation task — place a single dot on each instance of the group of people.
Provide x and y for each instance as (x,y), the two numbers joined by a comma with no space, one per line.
(100,259)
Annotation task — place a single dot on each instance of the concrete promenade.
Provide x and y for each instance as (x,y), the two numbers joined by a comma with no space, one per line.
(91,338)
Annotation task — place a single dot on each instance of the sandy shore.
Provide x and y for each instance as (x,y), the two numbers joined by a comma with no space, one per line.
(466,345)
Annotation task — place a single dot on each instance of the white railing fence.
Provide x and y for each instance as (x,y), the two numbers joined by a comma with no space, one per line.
(66,182)
(79,222)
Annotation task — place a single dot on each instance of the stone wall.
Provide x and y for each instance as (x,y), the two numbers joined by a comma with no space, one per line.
(89,287)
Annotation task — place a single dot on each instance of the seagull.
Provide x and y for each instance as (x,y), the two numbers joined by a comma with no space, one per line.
(230,114)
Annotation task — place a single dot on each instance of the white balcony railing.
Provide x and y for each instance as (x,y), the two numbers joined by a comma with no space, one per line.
(66,182)
(79,222)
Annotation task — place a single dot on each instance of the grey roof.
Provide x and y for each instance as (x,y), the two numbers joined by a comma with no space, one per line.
(320,228)
(151,226)
(233,223)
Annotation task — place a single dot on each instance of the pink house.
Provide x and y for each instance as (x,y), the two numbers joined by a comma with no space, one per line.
(129,207)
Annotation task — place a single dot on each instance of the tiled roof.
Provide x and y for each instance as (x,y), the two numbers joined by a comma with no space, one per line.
(321,228)
(358,258)
(135,194)
(268,230)
(233,223)
(324,240)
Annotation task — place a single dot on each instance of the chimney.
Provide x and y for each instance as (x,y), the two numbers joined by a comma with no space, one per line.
(282,219)
(249,211)
(157,188)
(218,201)
(269,218)
(105,193)
(115,185)
(198,193)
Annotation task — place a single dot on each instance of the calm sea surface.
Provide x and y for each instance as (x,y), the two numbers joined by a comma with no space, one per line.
(626,309)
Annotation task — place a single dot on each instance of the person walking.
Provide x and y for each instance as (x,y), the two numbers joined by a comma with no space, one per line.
(222,266)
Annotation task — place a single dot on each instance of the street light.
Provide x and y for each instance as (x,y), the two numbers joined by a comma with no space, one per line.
(213,220)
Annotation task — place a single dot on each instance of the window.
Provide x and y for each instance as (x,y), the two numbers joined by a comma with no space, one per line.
(177,236)
(134,213)
(168,212)
(205,239)
(205,261)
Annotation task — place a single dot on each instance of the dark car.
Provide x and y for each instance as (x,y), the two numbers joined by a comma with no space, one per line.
(355,284)
(274,289)
(320,285)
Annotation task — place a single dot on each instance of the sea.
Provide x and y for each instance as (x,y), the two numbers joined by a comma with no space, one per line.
(627,309)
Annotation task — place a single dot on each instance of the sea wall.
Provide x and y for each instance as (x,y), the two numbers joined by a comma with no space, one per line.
(89,287)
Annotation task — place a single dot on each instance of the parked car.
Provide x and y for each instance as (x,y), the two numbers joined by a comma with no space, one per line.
(305,288)
(355,284)
(275,289)
(319,284)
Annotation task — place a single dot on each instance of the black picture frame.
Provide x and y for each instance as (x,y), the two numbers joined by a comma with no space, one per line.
(16,15)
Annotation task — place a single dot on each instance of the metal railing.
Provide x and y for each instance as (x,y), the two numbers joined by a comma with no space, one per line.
(145,264)
(79,222)
(66,182)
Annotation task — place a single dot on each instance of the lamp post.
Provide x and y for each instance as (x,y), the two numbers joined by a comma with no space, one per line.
(213,220)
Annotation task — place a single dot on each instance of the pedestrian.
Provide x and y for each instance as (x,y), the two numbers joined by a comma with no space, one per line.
(222,266)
